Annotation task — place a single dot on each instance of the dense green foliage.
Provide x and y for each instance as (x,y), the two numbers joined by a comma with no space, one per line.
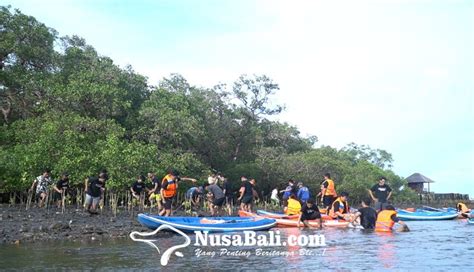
(67,108)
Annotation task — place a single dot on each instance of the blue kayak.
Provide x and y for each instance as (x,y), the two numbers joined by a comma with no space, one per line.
(211,224)
(426,215)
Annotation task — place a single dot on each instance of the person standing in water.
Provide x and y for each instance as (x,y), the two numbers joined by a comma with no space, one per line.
(366,216)
(387,218)
(380,193)
(328,191)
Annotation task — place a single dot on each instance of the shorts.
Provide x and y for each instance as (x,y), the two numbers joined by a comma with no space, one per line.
(156,197)
(380,205)
(328,200)
(57,196)
(92,200)
(312,216)
(229,200)
(168,202)
(219,202)
(38,194)
(247,199)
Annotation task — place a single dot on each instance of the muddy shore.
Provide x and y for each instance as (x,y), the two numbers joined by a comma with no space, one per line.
(38,224)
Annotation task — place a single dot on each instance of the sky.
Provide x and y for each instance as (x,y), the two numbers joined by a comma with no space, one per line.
(394,75)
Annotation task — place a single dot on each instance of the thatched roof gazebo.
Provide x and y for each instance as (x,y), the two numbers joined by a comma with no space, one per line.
(417,181)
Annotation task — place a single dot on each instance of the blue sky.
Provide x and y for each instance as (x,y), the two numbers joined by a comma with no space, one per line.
(395,75)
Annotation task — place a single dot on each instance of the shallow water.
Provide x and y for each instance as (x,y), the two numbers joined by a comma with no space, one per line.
(435,245)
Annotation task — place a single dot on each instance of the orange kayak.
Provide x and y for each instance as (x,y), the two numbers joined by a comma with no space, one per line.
(293,222)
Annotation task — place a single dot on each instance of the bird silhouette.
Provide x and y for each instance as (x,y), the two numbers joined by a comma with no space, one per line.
(167,254)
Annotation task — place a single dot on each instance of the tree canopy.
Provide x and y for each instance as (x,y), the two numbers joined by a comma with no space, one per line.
(68,108)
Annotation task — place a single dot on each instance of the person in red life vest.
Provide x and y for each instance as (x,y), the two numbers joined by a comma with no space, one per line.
(328,191)
(340,209)
(387,218)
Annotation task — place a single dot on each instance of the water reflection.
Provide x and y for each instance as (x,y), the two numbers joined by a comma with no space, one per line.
(386,255)
(435,245)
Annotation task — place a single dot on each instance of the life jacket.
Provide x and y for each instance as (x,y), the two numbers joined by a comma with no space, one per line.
(462,207)
(384,221)
(331,189)
(170,190)
(343,209)
(294,207)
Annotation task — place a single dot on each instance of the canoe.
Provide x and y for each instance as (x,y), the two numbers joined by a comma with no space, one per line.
(276,215)
(273,215)
(293,222)
(426,215)
(211,224)
(431,209)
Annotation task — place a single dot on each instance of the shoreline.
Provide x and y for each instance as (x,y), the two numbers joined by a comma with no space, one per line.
(39,224)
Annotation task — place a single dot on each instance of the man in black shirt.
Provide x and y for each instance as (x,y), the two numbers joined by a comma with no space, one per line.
(60,189)
(366,215)
(246,195)
(229,196)
(155,191)
(138,187)
(380,193)
(310,211)
(94,190)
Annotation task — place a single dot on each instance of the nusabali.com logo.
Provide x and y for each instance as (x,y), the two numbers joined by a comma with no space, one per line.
(232,244)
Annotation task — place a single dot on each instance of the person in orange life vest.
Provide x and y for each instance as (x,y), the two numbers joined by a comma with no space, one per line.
(387,218)
(340,208)
(293,207)
(328,191)
(169,187)
(464,210)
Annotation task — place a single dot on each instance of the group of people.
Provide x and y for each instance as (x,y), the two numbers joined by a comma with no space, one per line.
(297,201)
(94,189)
(220,195)
(217,191)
